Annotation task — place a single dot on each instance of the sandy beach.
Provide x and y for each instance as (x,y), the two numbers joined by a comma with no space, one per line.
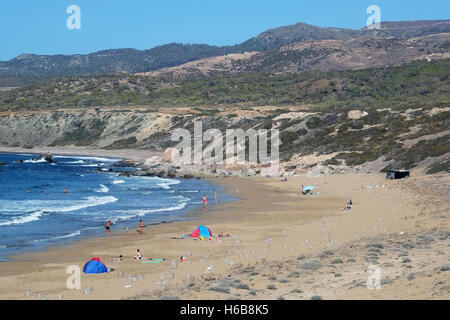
(283,245)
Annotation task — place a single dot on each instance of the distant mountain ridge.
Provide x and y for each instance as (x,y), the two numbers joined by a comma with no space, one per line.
(28,68)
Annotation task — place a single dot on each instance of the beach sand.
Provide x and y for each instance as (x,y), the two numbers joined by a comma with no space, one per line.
(283,245)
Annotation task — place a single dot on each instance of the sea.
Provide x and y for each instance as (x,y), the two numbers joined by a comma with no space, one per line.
(44,204)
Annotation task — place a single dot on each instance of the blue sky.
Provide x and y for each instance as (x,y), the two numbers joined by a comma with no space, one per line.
(39,26)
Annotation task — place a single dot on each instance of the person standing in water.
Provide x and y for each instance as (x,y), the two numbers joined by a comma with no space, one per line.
(108,226)
(205,202)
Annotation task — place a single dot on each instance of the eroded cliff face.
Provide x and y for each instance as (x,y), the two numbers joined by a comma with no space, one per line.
(310,140)
(95,129)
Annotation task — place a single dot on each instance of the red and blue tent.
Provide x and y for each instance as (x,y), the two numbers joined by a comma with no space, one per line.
(201,231)
(95,266)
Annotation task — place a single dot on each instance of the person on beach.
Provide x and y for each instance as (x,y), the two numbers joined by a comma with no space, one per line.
(221,235)
(108,226)
(120,258)
(141,227)
(348,206)
(138,255)
(205,202)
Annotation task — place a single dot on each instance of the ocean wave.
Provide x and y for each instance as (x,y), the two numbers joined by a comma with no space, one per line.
(118,181)
(75,162)
(70,235)
(182,198)
(35,161)
(167,183)
(96,159)
(102,189)
(35,216)
(130,214)
(54,206)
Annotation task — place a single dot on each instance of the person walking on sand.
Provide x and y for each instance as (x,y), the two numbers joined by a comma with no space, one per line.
(141,227)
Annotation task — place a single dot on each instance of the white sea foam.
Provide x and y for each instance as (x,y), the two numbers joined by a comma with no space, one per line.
(54,206)
(102,189)
(35,161)
(70,235)
(75,162)
(35,216)
(97,159)
(166,183)
(118,181)
(140,213)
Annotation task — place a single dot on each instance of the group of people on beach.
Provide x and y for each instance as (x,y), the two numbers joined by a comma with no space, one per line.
(305,191)
(139,230)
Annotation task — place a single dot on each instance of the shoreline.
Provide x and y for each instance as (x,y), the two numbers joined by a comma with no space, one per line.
(123,154)
(270,223)
(187,215)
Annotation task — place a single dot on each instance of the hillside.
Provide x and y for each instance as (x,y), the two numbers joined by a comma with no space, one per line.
(407,86)
(367,120)
(324,55)
(30,68)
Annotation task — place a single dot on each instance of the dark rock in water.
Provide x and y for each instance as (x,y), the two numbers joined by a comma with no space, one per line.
(188,176)
(2,163)
(47,157)
(125,164)
(171,172)
(161,173)
(149,174)
(124,174)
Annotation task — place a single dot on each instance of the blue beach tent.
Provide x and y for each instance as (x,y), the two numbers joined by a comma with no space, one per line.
(95,266)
